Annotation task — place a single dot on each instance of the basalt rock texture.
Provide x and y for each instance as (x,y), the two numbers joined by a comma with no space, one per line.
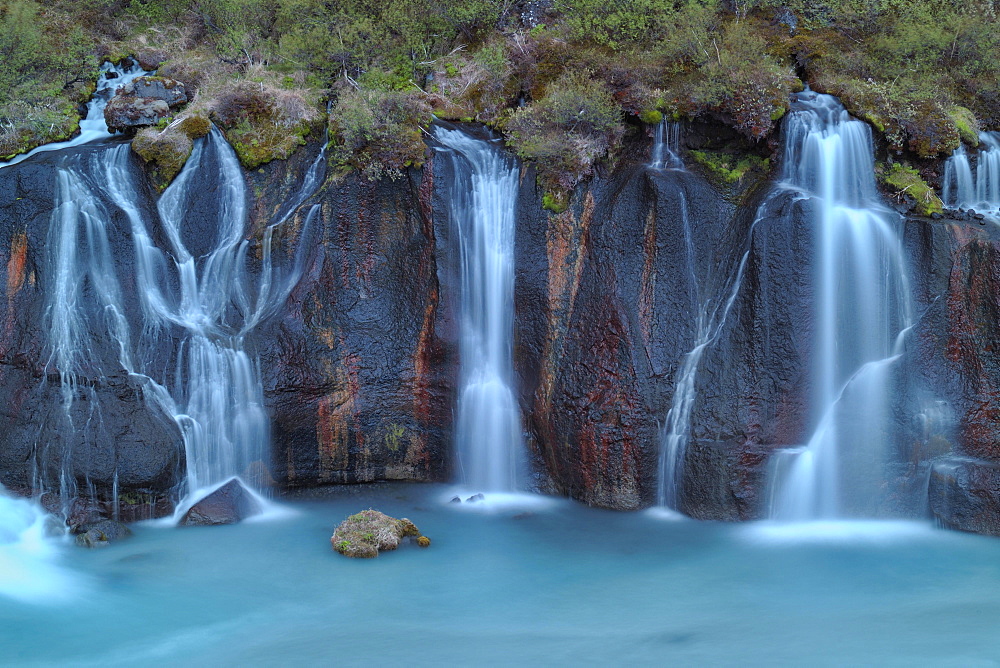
(964,494)
(108,434)
(357,376)
(229,504)
(606,298)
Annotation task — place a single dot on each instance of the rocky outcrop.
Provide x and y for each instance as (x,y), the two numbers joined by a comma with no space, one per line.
(102,534)
(365,534)
(357,373)
(964,494)
(100,428)
(229,504)
(143,101)
(607,295)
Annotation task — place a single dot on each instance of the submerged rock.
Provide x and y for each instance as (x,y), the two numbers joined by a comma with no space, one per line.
(229,504)
(362,535)
(102,534)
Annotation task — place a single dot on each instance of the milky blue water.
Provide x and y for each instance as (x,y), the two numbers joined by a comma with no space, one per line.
(557,585)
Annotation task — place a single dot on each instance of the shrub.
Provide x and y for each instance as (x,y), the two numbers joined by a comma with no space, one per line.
(263,122)
(575,124)
(378,132)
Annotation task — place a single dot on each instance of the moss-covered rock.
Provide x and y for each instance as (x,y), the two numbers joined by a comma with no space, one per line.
(363,534)
(967,125)
(908,185)
(263,123)
(726,168)
(165,151)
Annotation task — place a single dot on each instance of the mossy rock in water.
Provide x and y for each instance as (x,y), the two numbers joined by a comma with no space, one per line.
(363,534)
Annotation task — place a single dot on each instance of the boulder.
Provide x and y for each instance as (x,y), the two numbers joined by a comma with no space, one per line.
(229,504)
(362,535)
(143,101)
(102,533)
(964,494)
(170,91)
(123,113)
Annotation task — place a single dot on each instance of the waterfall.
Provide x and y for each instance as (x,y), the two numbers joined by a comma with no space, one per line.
(667,146)
(92,126)
(29,569)
(862,314)
(711,318)
(482,203)
(979,188)
(28,553)
(200,305)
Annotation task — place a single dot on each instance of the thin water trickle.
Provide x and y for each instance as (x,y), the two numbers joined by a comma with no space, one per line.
(667,146)
(710,319)
(862,310)
(483,198)
(978,187)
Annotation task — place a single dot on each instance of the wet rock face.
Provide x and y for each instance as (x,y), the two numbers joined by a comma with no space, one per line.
(357,376)
(964,494)
(109,432)
(229,504)
(143,101)
(605,310)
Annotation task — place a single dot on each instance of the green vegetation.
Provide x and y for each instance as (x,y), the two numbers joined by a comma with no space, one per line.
(565,85)
(571,127)
(45,72)
(727,168)
(906,182)
(364,534)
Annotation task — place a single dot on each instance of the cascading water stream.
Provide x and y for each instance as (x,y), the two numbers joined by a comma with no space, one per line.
(483,198)
(711,318)
(28,553)
(667,146)
(92,127)
(201,306)
(975,188)
(863,312)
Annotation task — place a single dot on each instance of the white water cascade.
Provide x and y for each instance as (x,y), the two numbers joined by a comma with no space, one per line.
(978,188)
(862,314)
(667,146)
(93,126)
(200,305)
(483,199)
(28,549)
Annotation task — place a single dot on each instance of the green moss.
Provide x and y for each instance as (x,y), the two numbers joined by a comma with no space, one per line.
(651,116)
(394,436)
(968,126)
(364,534)
(555,202)
(905,180)
(163,151)
(728,168)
